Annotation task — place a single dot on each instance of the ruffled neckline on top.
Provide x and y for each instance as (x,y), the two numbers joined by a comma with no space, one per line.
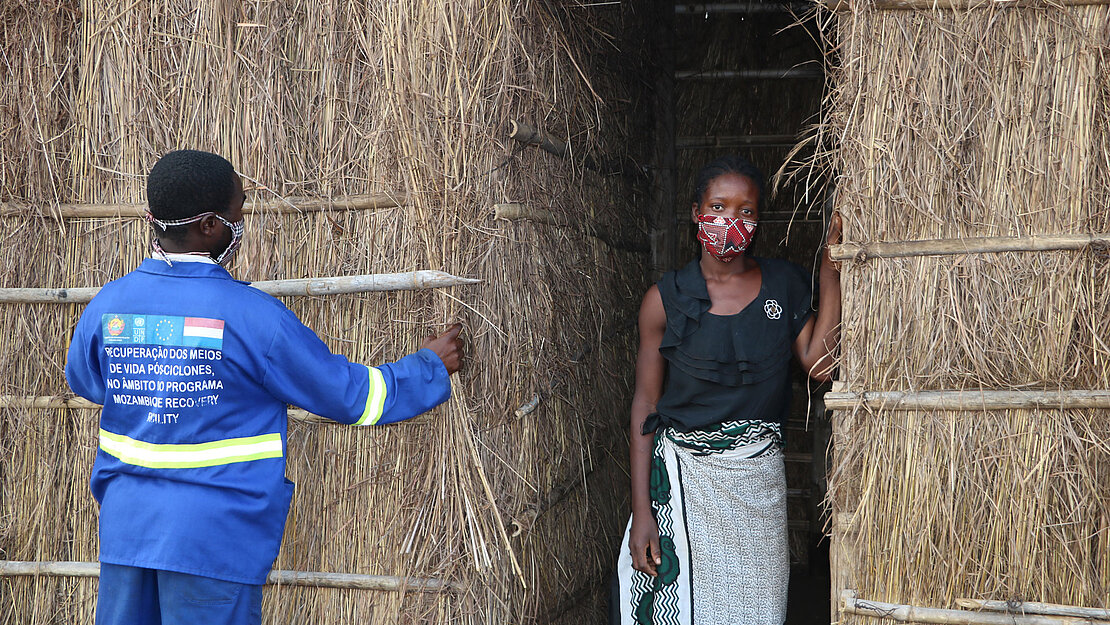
(733,350)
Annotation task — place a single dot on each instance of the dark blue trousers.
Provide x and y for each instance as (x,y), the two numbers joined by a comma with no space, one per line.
(129,595)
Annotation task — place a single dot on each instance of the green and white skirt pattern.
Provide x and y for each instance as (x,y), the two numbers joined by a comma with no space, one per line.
(719,497)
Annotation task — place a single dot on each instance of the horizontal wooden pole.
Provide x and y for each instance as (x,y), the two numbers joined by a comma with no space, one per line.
(78,295)
(964,5)
(751,74)
(528,135)
(861,252)
(731,141)
(15,568)
(370,283)
(1032,607)
(280,205)
(46,401)
(42,402)
(968,400)
(742,8)
(629,239)
(852,604)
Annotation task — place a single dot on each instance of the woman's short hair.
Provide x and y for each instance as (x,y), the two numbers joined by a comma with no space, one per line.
(732,164)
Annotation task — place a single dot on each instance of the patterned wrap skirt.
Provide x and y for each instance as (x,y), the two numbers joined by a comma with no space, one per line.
(719,497)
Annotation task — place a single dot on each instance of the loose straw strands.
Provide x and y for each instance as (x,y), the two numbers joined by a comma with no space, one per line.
(279,205)
(408,281)
(10,568)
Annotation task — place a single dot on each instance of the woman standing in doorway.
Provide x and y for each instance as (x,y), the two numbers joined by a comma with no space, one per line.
(707,541)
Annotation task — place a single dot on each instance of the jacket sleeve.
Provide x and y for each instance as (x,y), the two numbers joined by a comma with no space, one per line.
(83,372)
(301,370)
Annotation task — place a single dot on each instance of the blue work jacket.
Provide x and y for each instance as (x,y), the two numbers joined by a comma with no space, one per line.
(195,371)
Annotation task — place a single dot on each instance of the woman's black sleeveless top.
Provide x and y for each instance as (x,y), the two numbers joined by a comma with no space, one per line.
(734,367)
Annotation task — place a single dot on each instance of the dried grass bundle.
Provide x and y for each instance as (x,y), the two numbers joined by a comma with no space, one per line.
(331,99)
(950,124)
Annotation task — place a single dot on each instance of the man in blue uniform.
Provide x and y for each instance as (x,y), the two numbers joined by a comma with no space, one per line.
(195,371)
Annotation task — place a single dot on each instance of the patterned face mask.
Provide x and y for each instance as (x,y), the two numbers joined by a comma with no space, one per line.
(236,228)
(725,238)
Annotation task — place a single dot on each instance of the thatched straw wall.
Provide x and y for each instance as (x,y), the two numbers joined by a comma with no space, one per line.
(949,124)
(331,99)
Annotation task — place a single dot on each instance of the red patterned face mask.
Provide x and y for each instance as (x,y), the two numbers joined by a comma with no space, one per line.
(725,238)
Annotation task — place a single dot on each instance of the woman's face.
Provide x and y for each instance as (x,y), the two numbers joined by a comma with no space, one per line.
(729,195)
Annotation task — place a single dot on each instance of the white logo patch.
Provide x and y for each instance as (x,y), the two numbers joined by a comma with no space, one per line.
(772,308)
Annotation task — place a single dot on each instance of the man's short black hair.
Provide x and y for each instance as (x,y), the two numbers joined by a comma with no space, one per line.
(733,164)
(186,183)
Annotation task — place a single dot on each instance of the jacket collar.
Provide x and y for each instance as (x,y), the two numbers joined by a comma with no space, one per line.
(159,267)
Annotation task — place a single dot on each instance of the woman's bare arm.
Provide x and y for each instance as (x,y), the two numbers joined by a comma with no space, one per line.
(643,538)
(818,339)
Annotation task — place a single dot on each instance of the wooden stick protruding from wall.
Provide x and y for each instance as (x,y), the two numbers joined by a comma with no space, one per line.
(528,135)
(15,568)
(279,205)
(861,252)
(513,212)
(970,399)
(369,283)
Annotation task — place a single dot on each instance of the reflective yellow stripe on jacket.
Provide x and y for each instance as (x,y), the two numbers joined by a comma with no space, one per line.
(158,456)
(375,399)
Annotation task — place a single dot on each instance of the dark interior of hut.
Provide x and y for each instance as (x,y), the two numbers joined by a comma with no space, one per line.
(747,77)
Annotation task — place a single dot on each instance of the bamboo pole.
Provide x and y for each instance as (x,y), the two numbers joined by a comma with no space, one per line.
(917,5)
(842,555)
(974,245)
(751,74)
(852,604)
(1031,607)
(279,205)
(969,399)
(408,281)
(530,136)
(15,568)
